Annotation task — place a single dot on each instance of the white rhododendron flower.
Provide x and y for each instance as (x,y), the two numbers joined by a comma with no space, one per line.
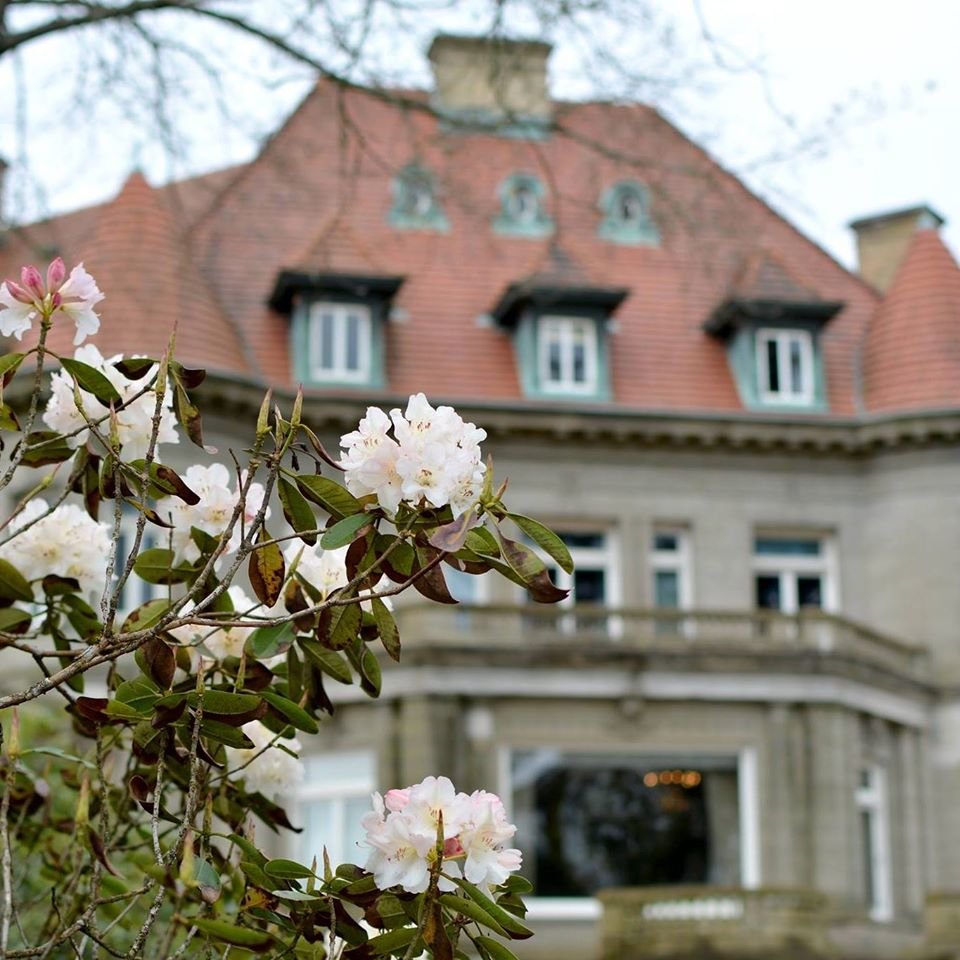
(212,514)
(324,570)
(66,543)
(75,295)
(266,768)
(134,421)
(402,832)
(433,458)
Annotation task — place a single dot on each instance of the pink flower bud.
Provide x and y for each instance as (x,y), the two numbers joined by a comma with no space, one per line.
(56,274)
(396,799)
(17,292)
(57,301)
(32,281)
(452,847)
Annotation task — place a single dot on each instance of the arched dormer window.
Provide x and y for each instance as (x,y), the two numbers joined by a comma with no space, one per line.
(416,205)
(523,207)
(626,215)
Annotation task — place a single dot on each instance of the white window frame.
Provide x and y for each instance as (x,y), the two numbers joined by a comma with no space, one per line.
(789,568)
(606,558)
(565,330)
(672,561)
(783,340)
(338,371)
(872,800)
(338,792)
(748,816)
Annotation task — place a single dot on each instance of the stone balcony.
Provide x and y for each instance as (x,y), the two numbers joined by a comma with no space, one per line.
(707,640)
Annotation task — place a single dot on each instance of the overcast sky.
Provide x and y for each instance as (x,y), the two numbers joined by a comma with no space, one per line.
(876,93)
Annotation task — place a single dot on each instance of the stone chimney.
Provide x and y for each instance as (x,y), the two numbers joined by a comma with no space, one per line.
(882,241)
(491,79)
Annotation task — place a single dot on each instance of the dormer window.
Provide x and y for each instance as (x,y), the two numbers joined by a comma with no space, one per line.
(523,207)
(560,335)
(626,215)
(336,326)
(415,202)
(567,354)
(339,342)
(785,366)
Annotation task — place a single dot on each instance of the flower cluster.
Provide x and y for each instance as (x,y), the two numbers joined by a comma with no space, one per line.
(134,419)
(267,767)
(432,459)
(64,542)
(213,512)
(403,827)
(75,296)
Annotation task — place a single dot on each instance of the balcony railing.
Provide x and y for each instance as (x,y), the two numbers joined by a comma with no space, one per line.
(679,921)
(658,631)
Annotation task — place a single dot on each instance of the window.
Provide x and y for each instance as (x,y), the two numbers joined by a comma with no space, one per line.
(523,207)
(590,821)
(871,800)
(626,215)
(415,202)
(567,354)
(339,342)
(785,366)
(334,796)
(593,583)
(671,587)
(793,573)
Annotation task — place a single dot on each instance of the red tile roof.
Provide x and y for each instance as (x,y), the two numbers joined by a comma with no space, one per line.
(318,198)
(912,351)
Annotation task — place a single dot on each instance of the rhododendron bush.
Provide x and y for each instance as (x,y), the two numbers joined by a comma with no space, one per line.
(144,746)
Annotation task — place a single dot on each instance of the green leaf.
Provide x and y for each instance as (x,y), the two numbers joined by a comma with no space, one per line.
(287,870)
(296,511)
(8,418)
(344,531)
(532,571)
(188,415)
(60,754)
(156,565)
(546,539)
(481,540)
(392,940)
(13,584)
(9,364)
(387,628)
(44,447)
(451,536)
(297,896)
(370,677)
(223,702)
(224,733)
(494,948)
(208,880)
(225,932)
(145,616)
(329,661)
(515,929)
(467,908)
(267,570)
(335,499)
(92,380)
(269,641)
(13,620)
(135,368)
(139,694)
(291,712)
(343,625)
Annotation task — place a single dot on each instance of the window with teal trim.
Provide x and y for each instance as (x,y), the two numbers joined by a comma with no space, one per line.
(523,207)
(416,205)
(339,345)
(626,215)
(567,355)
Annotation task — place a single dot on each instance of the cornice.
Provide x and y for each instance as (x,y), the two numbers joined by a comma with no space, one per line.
(603,424)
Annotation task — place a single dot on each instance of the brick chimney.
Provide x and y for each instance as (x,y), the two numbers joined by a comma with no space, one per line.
(882,241)
(491,79)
